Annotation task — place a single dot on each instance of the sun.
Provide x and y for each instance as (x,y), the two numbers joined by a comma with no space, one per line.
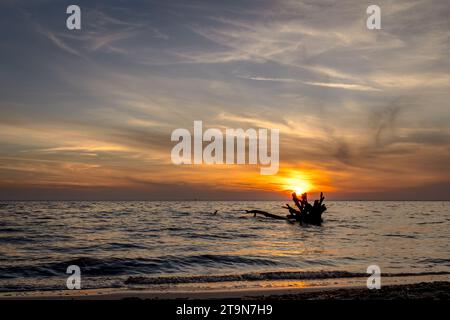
(298,185)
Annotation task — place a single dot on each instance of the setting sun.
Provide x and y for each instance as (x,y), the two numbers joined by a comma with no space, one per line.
(298,185)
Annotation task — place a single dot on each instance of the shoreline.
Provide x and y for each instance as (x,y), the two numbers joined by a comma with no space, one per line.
(439,290)
(432,289)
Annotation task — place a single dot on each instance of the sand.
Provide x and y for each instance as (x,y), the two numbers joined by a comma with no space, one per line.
(423,290)
(439,290)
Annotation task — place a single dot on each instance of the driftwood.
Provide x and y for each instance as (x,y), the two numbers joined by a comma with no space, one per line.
(305,212)
(266,214)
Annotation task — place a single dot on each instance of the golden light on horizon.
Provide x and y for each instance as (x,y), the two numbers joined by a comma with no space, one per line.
(298,184)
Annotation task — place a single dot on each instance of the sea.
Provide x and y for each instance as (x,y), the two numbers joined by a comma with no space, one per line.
(165,245)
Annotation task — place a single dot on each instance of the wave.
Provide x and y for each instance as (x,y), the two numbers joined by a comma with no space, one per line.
(405,236)
(120,266)
(287,275)
(445,262)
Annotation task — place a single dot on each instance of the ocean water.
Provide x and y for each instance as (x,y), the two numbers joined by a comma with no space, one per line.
(126,244)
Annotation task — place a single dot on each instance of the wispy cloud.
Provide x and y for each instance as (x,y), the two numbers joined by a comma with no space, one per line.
(268,79)
(345,86)
(60,43)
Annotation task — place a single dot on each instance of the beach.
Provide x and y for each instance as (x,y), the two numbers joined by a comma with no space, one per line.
(438,290)
(405,286)
(422,290)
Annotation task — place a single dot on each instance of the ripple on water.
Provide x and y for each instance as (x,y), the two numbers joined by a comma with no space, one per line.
(113,239)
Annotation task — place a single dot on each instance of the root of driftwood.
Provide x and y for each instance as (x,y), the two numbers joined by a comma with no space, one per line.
(266,214)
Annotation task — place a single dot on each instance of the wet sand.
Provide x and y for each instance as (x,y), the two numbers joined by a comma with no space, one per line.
(439,290)
(423,290)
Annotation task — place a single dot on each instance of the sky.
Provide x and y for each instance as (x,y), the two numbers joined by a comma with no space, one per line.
(88,114)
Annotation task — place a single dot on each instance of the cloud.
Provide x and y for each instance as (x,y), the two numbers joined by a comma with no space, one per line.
(346,86)
(268,79)
(351,103)
(61,44)
(412,80)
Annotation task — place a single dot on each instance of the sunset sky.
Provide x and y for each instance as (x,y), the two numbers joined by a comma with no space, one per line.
(88,114)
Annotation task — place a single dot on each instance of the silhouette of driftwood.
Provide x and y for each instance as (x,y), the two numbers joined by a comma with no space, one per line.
(305,212)
(266,214)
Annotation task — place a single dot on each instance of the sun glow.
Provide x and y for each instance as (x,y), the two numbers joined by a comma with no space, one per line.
(298,185)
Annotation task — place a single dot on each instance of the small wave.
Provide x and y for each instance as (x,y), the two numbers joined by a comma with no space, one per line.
(121,266)
(289,275)
(209,236)
(407,236)
(211,259)
(90,266)
(16,240)
(430,222)
(436,261)
(121,246)
(182,213)
(176,229)
(10,229)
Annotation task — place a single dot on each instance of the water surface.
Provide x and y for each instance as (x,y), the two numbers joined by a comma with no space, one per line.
(120,244)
